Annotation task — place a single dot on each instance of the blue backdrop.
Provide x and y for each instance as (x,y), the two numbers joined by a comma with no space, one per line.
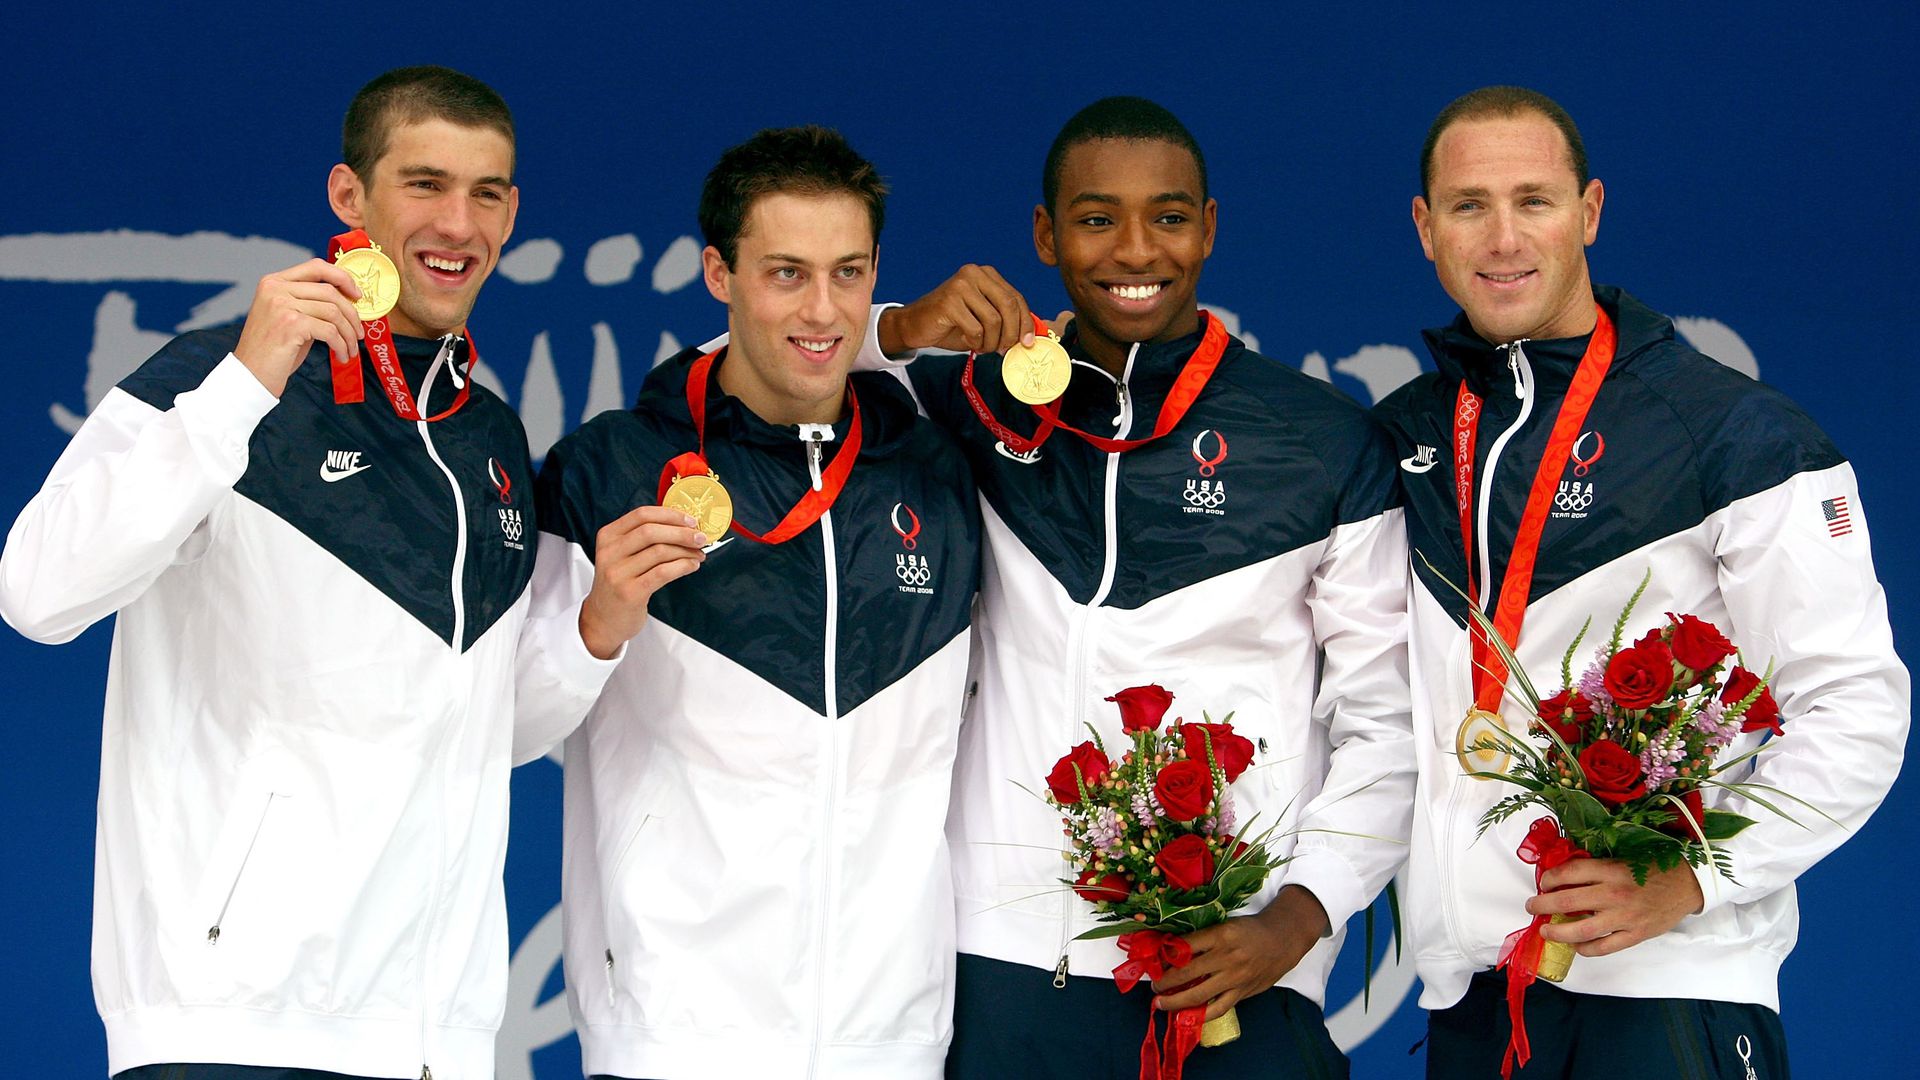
(1758,166)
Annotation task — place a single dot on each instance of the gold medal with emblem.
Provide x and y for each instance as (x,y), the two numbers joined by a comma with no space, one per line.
(378,278)
(701,497)
(1037,373)
(1480,744)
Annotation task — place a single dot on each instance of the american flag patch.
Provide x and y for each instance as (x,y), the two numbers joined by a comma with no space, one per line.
(1839,523)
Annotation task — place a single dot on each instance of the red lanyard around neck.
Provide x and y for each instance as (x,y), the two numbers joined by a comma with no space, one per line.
(811,505)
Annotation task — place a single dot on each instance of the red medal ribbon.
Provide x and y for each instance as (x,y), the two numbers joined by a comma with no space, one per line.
(1186,390)
(1545,848)
(811,505)
(348,382)
(1489,671)
(1150,953)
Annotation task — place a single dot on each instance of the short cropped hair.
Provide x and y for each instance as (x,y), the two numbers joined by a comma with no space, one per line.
(1132,119)
(809,160)
(1502,101)
(410,95)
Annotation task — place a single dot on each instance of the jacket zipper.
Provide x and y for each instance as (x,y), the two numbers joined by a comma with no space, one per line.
(441,359)
(1078,644)
(1522,372)
(814,435)
(213,932)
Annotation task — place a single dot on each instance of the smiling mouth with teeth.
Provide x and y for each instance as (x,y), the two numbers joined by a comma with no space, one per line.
(449,265)
(815,346)
(1506,279)
(1136,292)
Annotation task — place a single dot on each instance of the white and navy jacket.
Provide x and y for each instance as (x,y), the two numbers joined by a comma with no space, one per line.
(756,879)
(1748,517)
(303,791)
(1252,561)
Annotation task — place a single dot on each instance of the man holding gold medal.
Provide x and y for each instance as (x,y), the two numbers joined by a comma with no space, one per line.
(1161,505)
(321,588)
(756,872)
(1568,445)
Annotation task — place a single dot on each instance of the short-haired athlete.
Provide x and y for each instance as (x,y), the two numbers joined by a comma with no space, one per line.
(1728,496)
(756,872)
(1219,524)
(321,579)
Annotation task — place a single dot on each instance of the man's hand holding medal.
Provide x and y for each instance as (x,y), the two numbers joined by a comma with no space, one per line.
(293,309)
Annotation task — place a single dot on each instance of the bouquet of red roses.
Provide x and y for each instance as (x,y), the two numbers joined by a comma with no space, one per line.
(1620,757)
(1151,838)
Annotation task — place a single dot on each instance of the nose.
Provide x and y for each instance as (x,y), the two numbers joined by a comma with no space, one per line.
(454,219)
(816,304)
(1504,235)
(1133,246)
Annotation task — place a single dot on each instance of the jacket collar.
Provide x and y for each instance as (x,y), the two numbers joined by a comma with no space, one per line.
(886,414)
(1461,353)
(1155,367)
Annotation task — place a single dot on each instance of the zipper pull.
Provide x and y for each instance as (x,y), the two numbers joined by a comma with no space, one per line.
(1120,398)
(213,934)
(446,357)
(813,435)
(1513,365)
(1060,972)
(426,1073)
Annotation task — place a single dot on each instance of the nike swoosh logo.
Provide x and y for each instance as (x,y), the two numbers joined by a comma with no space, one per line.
(332,476)
(718,544)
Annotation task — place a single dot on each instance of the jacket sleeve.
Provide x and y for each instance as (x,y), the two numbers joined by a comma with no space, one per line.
(556,679)
(1353,833)
(125,499)
(1802,593)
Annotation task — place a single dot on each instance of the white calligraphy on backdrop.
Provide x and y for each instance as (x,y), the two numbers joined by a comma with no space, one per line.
(120,259)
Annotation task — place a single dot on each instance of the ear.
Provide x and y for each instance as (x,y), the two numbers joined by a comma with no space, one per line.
(1209,220)
(347,196)
(1423,224)
(719,279)
(1043,236)
(1590,201)
(513,212)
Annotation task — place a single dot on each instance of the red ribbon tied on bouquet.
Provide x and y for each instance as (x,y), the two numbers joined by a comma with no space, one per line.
(1545,849)
(1150,953)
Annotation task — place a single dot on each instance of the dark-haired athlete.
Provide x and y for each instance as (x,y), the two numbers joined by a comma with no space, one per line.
(757,881)
(309,718)
(1250,558)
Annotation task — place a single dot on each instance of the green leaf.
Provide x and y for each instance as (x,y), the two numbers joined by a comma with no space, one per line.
(1724,825)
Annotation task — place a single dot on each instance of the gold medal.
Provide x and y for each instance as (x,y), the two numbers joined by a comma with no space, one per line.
(1037,373)
(700,497)
(378,278)
(1480,744)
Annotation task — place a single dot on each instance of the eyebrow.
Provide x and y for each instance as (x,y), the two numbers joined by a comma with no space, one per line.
(782,257)
(1482,193)
(441,174)
(1114,200)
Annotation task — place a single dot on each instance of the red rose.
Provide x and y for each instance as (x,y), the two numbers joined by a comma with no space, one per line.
(1233,752)
(1184,788)
(1640,676)
(1763,713)
(1093,765)
(1108,886)
(1681,825)
(1238,847)
(1613,774)
(1187,862)
(1698,644)
(1141,707)
(1568,713)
